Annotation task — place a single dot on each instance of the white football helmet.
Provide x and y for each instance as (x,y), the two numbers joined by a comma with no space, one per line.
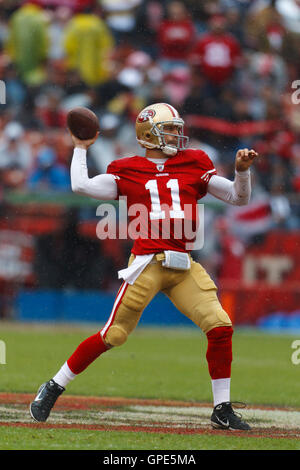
(150,132)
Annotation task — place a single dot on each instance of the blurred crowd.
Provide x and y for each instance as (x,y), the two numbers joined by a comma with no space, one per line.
(231,68)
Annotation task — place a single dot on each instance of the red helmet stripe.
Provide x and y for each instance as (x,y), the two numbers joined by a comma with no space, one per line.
(173,110)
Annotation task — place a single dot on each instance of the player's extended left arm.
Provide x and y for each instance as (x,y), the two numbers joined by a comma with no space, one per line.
(235,192)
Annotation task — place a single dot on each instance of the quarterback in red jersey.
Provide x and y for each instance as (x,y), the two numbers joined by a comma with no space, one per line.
(169,190)
(165,185)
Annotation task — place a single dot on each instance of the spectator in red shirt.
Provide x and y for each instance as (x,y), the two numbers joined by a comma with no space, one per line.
(176,36)
(217,54)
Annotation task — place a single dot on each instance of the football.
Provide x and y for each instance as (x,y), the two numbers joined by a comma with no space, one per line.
(82,123)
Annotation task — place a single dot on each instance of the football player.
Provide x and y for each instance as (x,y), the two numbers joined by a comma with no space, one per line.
(169,179)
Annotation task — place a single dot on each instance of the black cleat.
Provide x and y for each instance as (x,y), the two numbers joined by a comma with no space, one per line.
(223,417)
(47,395)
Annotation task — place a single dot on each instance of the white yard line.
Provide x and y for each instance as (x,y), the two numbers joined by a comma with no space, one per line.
(167,416)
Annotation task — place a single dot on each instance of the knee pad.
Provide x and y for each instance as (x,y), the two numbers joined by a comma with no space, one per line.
(116,336)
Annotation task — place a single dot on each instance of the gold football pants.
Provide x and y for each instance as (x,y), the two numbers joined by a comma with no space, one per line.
(192,292)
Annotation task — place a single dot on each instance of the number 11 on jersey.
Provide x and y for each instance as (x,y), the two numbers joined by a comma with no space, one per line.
(156,212)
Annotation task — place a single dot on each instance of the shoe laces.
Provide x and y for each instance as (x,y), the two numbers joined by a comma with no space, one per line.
(236,405)
(50,396)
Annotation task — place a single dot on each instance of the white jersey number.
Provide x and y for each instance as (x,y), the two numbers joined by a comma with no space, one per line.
(156,211)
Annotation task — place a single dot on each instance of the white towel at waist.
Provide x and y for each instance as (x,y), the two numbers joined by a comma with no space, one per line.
(131,273)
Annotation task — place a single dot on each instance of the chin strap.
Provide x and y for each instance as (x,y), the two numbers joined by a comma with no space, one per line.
(168,150)
(147,145)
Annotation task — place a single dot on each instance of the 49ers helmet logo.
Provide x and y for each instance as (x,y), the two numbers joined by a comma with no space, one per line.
(145,115)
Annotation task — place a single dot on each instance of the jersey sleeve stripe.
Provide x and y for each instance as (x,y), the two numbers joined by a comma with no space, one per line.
(208,174)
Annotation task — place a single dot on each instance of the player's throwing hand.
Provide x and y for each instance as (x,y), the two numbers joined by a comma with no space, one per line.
(244,159)
(84,144)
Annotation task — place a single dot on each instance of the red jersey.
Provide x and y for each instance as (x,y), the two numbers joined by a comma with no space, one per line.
(162,198)
(175,38)
(217,56)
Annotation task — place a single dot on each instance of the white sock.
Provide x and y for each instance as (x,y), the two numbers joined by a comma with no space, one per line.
(64,376)
(221,390)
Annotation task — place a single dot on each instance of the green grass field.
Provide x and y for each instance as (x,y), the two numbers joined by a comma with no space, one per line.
(153,364)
